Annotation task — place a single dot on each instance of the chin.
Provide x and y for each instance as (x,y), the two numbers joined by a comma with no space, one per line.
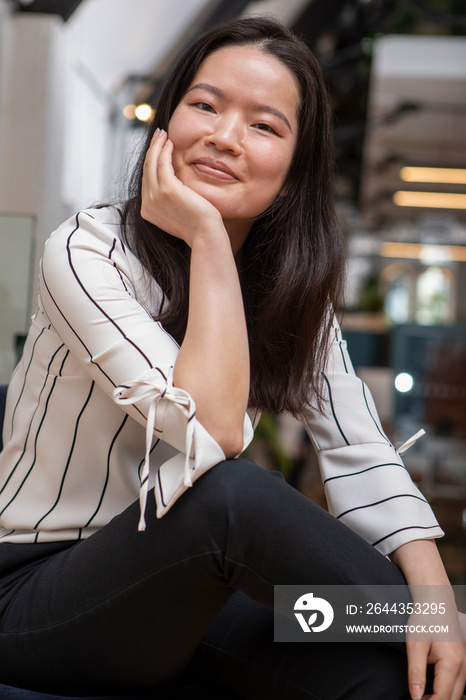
(216,198)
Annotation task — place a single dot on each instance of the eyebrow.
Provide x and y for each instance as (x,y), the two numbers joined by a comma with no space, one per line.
(256,107)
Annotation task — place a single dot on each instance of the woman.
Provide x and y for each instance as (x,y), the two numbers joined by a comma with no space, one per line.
(158,327)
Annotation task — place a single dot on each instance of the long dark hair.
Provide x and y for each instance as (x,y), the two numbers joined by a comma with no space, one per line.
(291,265)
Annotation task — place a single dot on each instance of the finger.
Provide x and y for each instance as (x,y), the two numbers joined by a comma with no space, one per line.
(156,145)
(150,185)
(447,676)
(459,688)
(158,137)
(153,154)
(417,663)
(164,164)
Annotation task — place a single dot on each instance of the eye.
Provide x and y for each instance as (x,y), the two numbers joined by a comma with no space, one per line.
(265,127)
(203,106)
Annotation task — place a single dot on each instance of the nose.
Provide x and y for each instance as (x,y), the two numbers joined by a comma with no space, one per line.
(227,134)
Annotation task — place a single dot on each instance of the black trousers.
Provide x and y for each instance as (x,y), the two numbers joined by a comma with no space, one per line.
(128,611)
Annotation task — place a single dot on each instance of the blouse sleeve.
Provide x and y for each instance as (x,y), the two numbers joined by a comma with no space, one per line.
(91,288)
(366,483)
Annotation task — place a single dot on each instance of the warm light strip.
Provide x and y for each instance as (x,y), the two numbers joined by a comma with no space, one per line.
(422,252)
(454,176)
(436,200)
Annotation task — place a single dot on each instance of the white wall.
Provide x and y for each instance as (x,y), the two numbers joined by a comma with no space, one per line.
(107,40)
(32,123)
(58,84)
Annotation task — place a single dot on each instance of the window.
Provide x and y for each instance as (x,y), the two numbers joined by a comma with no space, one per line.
(434,296)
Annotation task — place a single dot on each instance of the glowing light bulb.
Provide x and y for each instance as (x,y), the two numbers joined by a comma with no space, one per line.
(404,382)
(144,112)
(129,111)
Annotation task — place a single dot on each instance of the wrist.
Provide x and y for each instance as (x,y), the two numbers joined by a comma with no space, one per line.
(420,563)
(211,242)
(209,230)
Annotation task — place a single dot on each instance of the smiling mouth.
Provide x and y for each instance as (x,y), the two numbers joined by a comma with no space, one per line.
(214,168)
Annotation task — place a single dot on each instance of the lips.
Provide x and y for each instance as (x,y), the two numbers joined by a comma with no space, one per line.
(215,168)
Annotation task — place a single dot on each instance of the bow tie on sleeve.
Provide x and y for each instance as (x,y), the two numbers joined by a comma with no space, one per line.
(156,390)
(410,442)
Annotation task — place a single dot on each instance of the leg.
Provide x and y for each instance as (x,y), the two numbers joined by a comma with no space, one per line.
(126,610)
(238,650)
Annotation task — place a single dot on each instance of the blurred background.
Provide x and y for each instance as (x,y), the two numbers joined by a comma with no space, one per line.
(78,79)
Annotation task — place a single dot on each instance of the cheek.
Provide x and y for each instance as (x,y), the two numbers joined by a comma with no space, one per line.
(178,138)
(274,168)
(178,131)
(272,160)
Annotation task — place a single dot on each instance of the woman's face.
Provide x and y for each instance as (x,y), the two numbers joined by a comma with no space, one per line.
(234,133)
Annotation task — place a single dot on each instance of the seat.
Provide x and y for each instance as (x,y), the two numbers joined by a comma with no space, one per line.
(186,690)
(183,692)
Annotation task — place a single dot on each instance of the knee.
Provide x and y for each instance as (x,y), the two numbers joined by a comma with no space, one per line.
(239,491)
(240,480)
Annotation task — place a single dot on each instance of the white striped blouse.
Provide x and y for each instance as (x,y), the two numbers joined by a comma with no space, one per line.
(93,420)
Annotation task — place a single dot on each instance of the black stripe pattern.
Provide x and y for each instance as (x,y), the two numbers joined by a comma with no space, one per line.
(82,447)
(75,455)
(366,483)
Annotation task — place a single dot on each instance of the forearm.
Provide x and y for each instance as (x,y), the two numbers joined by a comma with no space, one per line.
(424,571)
(422,567)
(213,362)
(420,563)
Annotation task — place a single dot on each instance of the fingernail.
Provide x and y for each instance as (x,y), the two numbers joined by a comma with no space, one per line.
(416,692)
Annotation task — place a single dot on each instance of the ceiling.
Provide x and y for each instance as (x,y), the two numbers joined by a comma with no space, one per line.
(410,111)
(63,8)
(396,72)
(416,117)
